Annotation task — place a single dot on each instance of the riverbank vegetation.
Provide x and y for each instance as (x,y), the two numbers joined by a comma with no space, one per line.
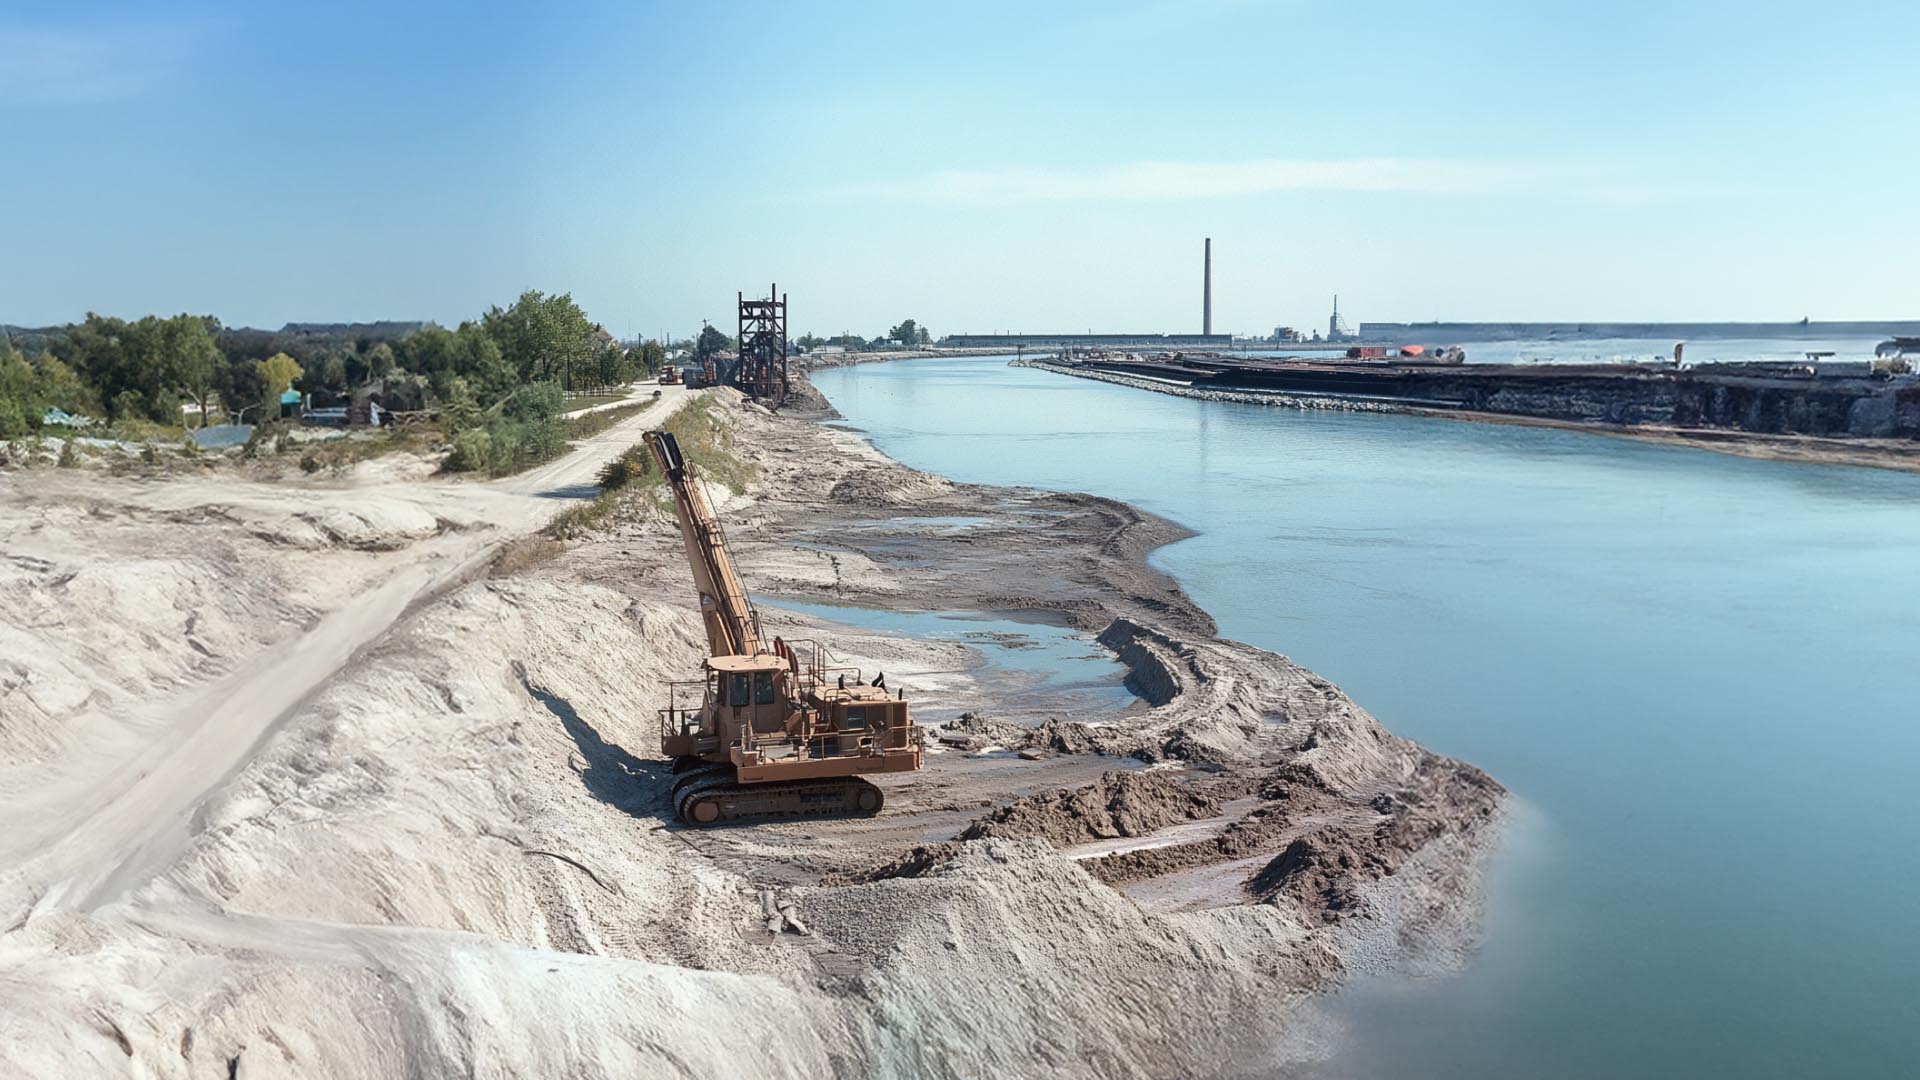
(907,334)
(497,380)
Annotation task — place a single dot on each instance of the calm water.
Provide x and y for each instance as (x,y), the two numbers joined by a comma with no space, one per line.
(1700,675)
(1054,667)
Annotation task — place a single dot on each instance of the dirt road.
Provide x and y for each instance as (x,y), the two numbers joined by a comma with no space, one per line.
(95,824)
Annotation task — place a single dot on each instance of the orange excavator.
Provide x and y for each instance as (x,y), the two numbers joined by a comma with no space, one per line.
(767,731)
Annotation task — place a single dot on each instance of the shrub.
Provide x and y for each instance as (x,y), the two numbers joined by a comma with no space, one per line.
(472,451)
(522,431)
(632,466)
(262,435)
(13,420)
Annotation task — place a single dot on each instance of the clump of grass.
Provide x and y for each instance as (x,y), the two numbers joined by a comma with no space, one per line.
(631,485)
(524,554)
(583,427)
(707,444)
(353,448)
(137,429)
(577,401)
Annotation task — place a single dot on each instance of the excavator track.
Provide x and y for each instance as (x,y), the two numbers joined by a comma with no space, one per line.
(710,796)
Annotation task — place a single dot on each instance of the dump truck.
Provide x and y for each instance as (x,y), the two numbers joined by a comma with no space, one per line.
(768,730)
(669,375)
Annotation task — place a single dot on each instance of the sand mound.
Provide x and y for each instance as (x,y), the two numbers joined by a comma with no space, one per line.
(888,485)
(82,636)
(1118,804)
(1064,976)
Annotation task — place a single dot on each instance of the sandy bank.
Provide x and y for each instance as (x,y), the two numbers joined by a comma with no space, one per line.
(452,854)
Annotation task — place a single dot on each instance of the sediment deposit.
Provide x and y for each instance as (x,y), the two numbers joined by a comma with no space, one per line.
(448,850)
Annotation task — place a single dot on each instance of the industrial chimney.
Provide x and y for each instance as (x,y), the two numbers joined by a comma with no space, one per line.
(1206,291)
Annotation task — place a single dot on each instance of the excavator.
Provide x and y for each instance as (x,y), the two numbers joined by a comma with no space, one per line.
(767,731)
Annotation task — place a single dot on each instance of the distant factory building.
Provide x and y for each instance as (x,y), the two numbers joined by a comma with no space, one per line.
(1008,341)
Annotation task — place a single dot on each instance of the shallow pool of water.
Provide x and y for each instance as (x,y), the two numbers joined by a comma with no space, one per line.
(1699,674)
(1051,668)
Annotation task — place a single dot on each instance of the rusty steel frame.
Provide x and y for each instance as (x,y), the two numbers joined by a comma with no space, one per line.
(762,368)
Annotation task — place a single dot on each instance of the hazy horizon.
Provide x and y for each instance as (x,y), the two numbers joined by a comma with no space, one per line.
(1002,168)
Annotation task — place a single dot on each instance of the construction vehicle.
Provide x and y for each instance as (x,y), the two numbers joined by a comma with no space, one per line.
(669,375)
(767,731)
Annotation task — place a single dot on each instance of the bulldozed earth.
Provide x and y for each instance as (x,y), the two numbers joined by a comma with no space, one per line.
(359,776)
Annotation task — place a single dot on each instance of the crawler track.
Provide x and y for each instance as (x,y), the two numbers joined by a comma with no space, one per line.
(708,795)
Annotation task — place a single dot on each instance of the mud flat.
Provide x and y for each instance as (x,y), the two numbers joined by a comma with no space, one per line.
(449,853)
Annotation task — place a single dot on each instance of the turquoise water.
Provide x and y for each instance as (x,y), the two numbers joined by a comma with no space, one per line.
(1699,674)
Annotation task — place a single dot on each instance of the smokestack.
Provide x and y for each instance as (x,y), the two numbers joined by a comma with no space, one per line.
(1206,292)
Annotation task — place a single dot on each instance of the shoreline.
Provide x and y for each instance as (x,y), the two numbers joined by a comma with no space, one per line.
(1422,897)
(1892,454)
(1065,888)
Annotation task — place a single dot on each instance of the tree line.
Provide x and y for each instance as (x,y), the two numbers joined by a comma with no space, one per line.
(906,333)
(143,371)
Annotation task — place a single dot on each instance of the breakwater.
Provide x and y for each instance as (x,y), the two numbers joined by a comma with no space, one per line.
(1717,397)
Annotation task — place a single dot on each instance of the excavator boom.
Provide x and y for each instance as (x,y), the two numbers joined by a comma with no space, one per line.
(733,626)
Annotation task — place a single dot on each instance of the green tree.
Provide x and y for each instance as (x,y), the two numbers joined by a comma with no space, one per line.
(191,359)
(278,374)
(478,359)
(543,337)
(243,389)
(612,367)
(13,419)
(469,354)
(18,385)
(381,360)
(710,341)
(653,357)
(906,333)
(119,360)
(428,351)
(58,386)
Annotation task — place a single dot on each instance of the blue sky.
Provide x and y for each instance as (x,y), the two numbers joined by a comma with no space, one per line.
(982,166)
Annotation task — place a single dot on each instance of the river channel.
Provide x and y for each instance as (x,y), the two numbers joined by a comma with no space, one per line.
(1698,674)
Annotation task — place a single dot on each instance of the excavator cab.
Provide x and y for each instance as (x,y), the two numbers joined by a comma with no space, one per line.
(749,690)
